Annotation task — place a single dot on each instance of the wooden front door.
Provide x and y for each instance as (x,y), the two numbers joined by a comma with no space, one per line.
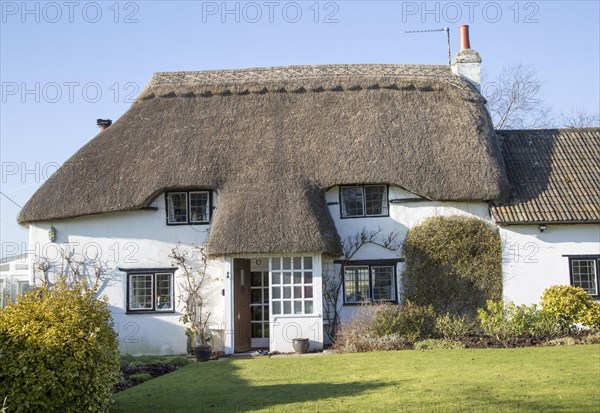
(241,304)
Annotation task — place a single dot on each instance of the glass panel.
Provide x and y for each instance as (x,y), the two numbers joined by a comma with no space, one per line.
(297,263)
(287,263)
(308,307)
(256,279)
(140,292)
(177,207)
(352,201)
(276,276)
(297,277)
(308,292)
(287,278)
(164,293)
(356,284)
(266,295)
(297,307)
(297,292)
(266,330)
(265,278)
(383,283)
(376,200)
(584,275)
(256,312)
(256,295)
(276,263)
(308,263)
(257,330)
(308,278)
(287,292)
(276,292)
(266,313)
(287,307)
(276,307)
(199,206)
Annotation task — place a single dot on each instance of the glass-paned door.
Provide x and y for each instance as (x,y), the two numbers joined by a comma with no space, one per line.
(259,308)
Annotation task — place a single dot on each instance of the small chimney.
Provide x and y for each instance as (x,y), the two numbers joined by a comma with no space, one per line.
(467,62)
(103,124)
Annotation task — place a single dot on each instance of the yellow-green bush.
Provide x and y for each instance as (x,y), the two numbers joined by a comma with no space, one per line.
(58,352)
(571,305)
(453,263)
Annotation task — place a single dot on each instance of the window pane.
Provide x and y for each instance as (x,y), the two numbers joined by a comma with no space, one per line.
(199,206)
(308,277)
(256,295)
(276,292)
(276,263)
(297,263)
(376,200)
(257,330)
(383,283)
(256,312)
(297,277)
(297,292)
(356,284)
(308,292)
(276,307)
(287,292)
(297,307)
(177,207)
(276,278)
(140,292)
(256,279)
(352,201)
(308,307)
(287,307)
(584,275)
(308,263)
(287,278)
(163,292)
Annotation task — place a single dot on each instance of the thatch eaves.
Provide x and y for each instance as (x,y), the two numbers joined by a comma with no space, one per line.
(272,140)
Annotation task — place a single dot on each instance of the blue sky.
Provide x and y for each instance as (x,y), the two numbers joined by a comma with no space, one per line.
(64,64)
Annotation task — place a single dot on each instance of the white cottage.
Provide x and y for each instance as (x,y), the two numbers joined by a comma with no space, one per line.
(270,169)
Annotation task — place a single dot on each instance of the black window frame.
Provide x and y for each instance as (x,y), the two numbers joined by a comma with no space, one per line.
(370,264)
(188,220)
(591,257)
(365,215)
(153,272)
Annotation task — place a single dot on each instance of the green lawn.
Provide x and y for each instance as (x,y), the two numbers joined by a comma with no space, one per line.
(538,379)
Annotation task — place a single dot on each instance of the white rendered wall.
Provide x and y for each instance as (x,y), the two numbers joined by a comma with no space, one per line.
(402,217)
(135,239)
(534,260)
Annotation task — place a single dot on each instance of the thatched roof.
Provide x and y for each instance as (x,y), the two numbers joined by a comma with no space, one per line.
(554,176)
(272,140)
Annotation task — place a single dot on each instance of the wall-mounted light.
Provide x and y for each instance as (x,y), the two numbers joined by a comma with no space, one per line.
(542,227)
(52,234)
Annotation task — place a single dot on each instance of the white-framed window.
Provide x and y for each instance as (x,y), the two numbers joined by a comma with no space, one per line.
(364,201)
(11,288)
(292,289)
(259,304)
(369,282)
(584,273)
(188,207)
(150,291)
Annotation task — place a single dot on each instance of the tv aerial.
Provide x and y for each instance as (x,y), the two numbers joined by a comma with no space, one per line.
(443,29)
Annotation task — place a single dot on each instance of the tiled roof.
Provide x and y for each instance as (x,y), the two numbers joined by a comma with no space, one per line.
(554,176)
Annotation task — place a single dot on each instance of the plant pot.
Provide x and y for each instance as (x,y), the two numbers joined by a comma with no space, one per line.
(202,352)
(301,345)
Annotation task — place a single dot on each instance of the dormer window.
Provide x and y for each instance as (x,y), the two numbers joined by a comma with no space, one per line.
(188,207)
(364,201)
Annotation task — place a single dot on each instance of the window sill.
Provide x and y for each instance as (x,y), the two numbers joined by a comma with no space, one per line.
(149,311)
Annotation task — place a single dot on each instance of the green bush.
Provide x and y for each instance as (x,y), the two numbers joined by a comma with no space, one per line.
(571,305)
(409,321)
(58,352)
(437,344)
(509,323)
(453,327)
(453,263)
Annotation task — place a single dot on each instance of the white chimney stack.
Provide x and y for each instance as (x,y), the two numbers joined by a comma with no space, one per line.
(467,62)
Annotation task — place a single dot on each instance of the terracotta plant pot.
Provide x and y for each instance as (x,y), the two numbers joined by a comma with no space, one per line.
(202,352)
(301,345)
